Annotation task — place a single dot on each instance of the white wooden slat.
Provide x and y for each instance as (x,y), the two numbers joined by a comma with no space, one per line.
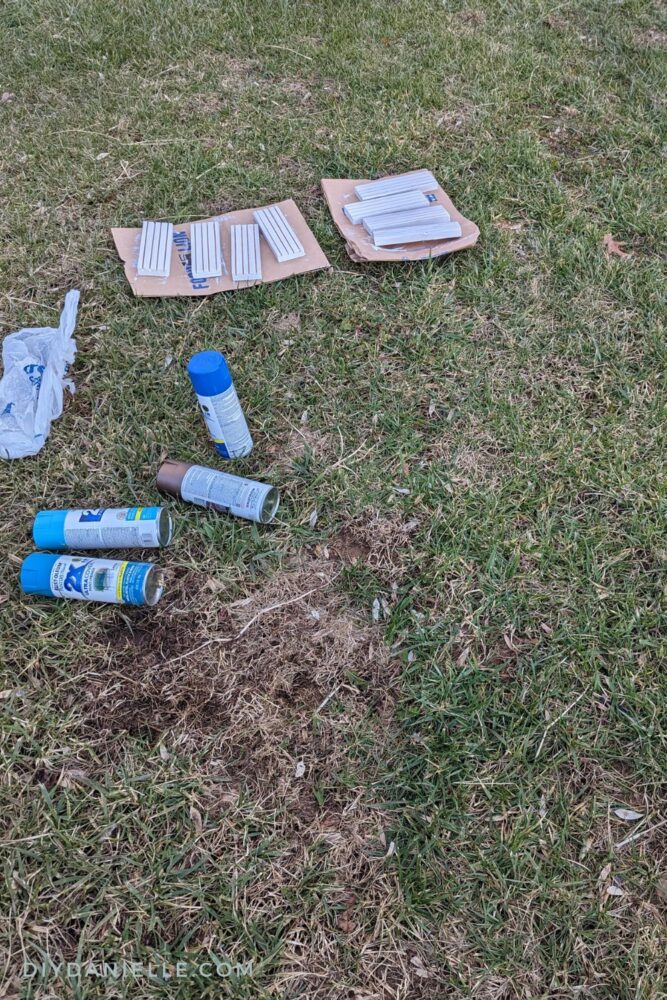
(246,258)
(278,233)
(413,217)
(416,180)
(417,234)
(206,253)
(359,211)
(154,260)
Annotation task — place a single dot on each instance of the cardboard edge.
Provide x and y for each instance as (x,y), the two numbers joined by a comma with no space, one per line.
(127,267)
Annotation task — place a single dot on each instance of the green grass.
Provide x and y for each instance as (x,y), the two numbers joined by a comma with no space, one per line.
(454,834)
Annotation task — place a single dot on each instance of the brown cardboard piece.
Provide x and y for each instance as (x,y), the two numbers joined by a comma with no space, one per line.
(359,244)
(180,280)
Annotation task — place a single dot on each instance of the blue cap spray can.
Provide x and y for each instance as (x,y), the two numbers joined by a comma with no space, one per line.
(77,578)
(103,528)
(219,403)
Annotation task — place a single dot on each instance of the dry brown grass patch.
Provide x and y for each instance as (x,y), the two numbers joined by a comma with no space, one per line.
(277,686)
(298,443)
(380,541)
(469,464)
(653,39)
(250,673)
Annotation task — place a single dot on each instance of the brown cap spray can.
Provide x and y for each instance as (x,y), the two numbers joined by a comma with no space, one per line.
(218,490)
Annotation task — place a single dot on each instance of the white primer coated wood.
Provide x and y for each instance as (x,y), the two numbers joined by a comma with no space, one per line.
(205,250)
(246,259)
(417,234)
(278,233)
(155,249)
(413,217)
(359,211)
(418,180)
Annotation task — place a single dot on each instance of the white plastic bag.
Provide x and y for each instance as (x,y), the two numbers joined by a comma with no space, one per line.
(36,362)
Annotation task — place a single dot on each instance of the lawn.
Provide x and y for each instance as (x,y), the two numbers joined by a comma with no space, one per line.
(376,750)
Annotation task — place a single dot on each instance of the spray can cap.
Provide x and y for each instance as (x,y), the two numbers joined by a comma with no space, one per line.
(170,476)
(36,574)
(209,373)
(48,530)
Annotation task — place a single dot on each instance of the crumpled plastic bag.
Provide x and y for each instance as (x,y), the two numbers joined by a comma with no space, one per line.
(36,362)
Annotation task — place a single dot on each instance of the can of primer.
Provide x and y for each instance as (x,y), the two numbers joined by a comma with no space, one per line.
(219,491)
(103,528)
(80,579)
(219,404)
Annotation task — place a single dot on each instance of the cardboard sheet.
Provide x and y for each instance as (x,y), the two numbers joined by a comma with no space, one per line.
(359,244)
(180,280)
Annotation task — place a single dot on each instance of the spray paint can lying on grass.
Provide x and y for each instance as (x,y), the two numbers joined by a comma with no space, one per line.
(103,528)
(77,578)
(218,490)
(220,406)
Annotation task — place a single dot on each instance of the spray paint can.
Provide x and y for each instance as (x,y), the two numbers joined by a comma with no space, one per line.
(103,528)
(80,579)
(219,404)
(218,490)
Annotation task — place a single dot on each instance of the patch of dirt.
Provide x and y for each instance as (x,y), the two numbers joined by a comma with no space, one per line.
(569,142)
(296,88)
(555,22)
(653,39)
(504,655)
(472,19)
(238,76)
(297,444)
(453,120)
(510,226)
(287,323)
(296,169)
(381,542)
(481,464)
(234,73)
(348,546)
(253,671)
(201,104)
(271,697)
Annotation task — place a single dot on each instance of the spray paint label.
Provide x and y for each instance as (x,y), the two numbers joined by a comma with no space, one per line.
(226,493)
(126,527)
(107,580)
(226,423)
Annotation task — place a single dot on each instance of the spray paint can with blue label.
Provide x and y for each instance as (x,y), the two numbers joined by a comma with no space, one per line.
(78,578)
(103,528)
(219,403)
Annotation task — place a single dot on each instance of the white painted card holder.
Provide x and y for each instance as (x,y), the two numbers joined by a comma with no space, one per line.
(276,230)
(417,180)
(206,260)
(154,259)
(358,211)
(417,234)
(246,258)
(413,217)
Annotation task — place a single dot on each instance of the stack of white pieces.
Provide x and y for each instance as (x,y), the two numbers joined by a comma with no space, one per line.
(358,211)
(399,210)
(399,220)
